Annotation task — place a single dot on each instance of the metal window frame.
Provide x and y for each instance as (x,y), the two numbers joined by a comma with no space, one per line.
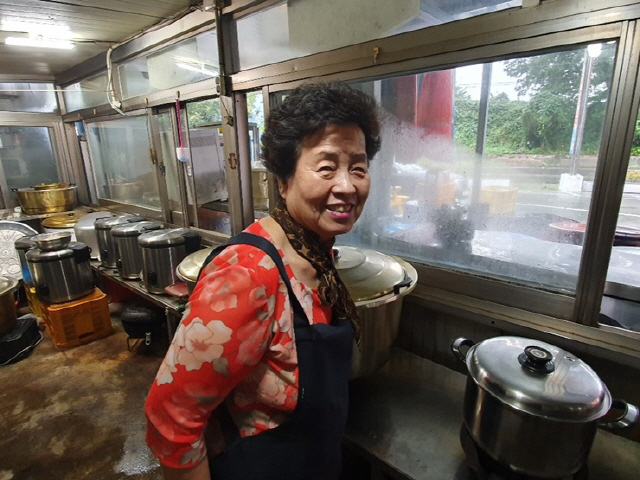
(547,309)
(59,146)
(148,212)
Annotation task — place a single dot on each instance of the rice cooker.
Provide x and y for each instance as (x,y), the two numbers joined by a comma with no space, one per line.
(128,254)
(105,240)
(62,274)
(162,252)
(190,267)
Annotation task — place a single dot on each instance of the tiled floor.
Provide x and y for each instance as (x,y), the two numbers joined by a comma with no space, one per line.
(77,414)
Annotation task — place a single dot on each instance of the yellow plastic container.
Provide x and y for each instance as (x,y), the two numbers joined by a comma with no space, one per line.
(500,199)
(32,300)
(78,322)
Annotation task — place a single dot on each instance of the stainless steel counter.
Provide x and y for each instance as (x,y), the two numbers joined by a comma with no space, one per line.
(406,419)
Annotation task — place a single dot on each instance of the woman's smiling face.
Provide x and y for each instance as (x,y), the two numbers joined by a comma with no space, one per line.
(327,191)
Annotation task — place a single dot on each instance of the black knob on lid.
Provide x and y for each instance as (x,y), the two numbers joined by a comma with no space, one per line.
(537,359)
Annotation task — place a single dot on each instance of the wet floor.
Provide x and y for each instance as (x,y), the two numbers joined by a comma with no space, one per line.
(77,414)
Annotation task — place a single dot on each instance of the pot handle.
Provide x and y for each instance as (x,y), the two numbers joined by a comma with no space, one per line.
(404,283)
(629,416)
(458,344)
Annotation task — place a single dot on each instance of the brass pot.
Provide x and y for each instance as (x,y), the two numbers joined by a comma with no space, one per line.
(8,317)
(37,200)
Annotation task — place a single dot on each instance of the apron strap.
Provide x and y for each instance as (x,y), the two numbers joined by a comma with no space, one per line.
(229,428)
(267,247)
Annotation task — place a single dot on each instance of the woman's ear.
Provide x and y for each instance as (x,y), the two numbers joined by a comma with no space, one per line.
(282,188)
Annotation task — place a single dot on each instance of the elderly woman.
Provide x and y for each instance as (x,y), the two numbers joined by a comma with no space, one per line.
(254,385)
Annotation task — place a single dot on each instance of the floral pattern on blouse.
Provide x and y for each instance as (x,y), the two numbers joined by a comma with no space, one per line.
(236,342)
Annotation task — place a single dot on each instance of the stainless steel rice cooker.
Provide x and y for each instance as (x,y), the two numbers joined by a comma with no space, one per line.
(105,240)
(534,407)
(189,268)
(127,250)
(85,231)
(22,245)
(377,284)
(162,251)
(62,274)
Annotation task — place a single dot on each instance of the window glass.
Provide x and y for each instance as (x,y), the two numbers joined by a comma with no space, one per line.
(208,166)
(120,153)
(27,156)
(28,97)
(297,28)
(88,93)
(506,203)
(188,61)
(621,303)
(255,112)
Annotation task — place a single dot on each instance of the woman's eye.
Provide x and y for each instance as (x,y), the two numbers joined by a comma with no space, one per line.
(360,170)
(326,168)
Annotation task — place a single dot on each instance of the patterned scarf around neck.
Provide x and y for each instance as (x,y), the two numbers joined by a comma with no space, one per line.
(332,291)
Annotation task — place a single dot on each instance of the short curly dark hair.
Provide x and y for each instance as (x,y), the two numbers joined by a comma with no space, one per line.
(306,110)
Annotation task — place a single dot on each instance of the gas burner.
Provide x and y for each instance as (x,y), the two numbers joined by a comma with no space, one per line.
(486,468)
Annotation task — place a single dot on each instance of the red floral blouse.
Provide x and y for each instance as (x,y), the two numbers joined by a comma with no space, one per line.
(235,342)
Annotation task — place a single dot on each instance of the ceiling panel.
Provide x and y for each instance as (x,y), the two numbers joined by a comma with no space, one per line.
(94,25)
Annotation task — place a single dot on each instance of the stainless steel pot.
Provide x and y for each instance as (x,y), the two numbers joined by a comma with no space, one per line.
(8,317)
(127,250)
(534,407)
(189,268)
(85,231)
(162,251)
(103,228)
(61,275)
(62,222)
(377,283)
(51,198)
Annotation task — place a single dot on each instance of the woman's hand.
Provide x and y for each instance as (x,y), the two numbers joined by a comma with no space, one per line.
(199,472)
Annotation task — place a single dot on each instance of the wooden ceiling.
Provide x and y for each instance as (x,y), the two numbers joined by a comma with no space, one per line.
(93,26)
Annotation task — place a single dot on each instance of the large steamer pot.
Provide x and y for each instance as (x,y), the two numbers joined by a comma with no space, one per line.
(47,198)
(62,222)
(189,268)
(8,317)
(103,228)
(162,252)
(85,231)
(128,253)
(533,407)
(61,274)
(377,284)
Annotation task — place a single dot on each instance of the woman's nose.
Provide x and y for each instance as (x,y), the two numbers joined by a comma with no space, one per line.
(344,182)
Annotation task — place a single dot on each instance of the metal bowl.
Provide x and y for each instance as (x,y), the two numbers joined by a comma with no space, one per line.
(52,241)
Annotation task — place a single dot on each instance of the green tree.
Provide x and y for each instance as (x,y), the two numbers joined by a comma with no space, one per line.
(204,112)
(552,81)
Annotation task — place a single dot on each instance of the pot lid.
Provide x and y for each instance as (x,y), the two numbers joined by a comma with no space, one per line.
(189,268)
(366,273)
(162,238)
(50,186)
(37,255)
(135,229)
(25,243)
(64,220)
(7,284)
(106,223)
(538,378)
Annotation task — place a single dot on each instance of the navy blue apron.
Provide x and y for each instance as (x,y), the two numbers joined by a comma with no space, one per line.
(307,446)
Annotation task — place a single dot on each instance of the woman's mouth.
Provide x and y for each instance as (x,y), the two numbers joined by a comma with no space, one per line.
(340,211)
